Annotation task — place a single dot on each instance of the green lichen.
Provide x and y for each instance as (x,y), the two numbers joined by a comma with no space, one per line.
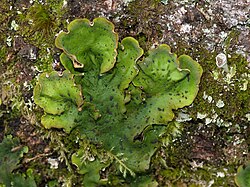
(60,99)
(89,169)
(125,103)
(10,154)
(242,178)
(100,43)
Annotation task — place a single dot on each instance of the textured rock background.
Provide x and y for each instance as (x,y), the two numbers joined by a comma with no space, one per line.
(212,136)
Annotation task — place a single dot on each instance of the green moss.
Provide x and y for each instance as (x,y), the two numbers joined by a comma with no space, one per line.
(225,89)
(174,167)
(3,54)
(45,18)
(42,19)
(231,40)
(144,23)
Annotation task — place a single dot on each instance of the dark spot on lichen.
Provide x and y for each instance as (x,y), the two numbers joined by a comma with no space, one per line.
(160,109)
(109,111)
(139,137)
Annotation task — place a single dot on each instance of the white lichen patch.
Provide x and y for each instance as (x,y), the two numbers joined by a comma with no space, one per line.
(214,118)
(9,41)
(165,2)
(196,165)
(228,79)
(53,163)
(207,97)
(14,26)
(244,85)
(220,104)
(27,85)
(126,2)
(220,174)
(32,54)
(64,3)
(238,140)
(248,116)
(221,59)
(221,62)
(215,74)
(201,116)
(227,124)
(245,79)
(211,183)
(223,35)
(220,122)
(35,69)
(182,117)
(208,121)
(185,28)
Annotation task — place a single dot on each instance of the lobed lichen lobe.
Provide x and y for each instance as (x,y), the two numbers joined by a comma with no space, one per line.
(112,74)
